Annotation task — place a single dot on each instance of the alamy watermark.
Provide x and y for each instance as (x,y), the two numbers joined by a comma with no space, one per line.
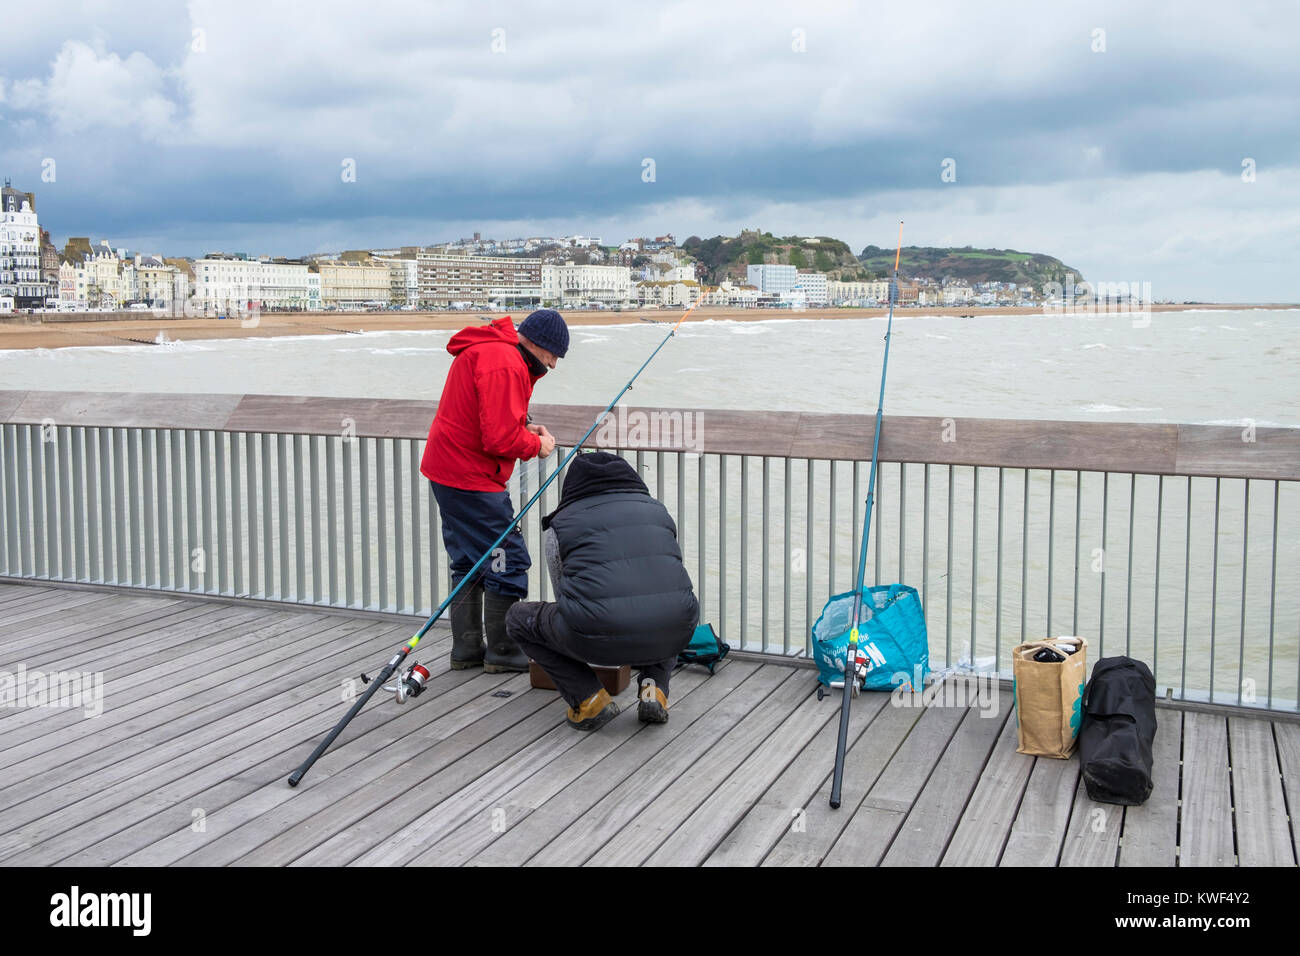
(664,430)
(1103,298)
(24,688)
(981,691)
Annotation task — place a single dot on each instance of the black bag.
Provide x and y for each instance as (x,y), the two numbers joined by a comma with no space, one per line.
(1119,727)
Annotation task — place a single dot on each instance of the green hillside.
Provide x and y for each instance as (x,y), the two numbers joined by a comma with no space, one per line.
(968,264)
(726,257)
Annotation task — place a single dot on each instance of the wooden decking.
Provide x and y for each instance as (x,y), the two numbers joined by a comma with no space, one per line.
(208,706)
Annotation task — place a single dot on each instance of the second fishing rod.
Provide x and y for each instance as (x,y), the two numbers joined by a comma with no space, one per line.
(396,661)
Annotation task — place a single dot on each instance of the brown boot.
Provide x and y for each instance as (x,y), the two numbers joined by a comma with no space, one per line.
(594,712)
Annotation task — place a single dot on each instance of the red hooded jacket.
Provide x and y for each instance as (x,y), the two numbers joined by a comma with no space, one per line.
(479,430)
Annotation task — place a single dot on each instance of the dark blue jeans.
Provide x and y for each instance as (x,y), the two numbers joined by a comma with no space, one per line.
(471,521)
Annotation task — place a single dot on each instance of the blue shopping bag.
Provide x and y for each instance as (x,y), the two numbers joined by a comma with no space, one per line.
(891,634)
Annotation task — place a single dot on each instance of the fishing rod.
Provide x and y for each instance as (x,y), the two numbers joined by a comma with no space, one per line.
(391,667)
(855,662)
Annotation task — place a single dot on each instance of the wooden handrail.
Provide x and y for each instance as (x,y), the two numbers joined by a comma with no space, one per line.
(1155,449)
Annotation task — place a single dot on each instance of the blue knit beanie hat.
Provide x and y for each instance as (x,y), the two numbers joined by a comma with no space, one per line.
(546,328)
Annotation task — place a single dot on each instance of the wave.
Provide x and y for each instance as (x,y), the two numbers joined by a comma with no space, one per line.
(1101,408)
(1243,423)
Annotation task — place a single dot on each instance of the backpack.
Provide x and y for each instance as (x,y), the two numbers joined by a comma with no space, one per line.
(705,648)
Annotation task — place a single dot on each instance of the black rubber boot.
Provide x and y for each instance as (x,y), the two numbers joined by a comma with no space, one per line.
(503,654)
(466,611)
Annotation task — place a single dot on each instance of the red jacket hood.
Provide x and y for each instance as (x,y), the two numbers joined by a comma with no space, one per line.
(498,330)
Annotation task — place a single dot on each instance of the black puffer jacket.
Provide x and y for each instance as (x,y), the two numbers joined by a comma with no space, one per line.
(624,592)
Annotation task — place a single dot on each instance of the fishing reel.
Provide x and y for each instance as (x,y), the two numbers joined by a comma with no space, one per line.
(411,683)
(861,665)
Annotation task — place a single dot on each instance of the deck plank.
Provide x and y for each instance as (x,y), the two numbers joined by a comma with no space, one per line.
(63,622)
(528,833)
(77,633)
(23,623)
(1287,737)
(866,839)
(392,838)
(1093,837)
(144,719)
(104,641)
(29,739)
(821,826)
(209,704)
(429,735)
(1206,834)
(752,839)
(481,805)
(634,843)
(925,834)
(413,824)
(593,828)
(986,822)
(242,820)
(696,836)
(275,726)
(1039,828)
(1150,835)
(1259,805)
(487,823)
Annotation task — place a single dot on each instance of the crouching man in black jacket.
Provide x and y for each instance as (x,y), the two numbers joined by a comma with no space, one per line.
(623,594)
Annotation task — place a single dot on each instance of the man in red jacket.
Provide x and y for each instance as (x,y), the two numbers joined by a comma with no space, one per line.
(480,430)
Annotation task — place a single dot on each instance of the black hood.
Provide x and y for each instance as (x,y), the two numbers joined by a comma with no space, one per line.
(596,473)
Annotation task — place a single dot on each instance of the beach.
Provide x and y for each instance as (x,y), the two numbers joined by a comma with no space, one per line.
(69,331)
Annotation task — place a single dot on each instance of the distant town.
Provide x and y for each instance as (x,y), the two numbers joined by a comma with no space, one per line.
(565,272)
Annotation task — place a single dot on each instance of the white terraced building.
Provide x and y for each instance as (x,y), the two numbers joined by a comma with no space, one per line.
(571,285)
(858,293)
(231,282)
(21,283)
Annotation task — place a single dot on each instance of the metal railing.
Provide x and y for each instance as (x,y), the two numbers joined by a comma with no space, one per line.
(1198,575)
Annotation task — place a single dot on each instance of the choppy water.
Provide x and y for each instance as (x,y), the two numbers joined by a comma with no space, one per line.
(1198,366)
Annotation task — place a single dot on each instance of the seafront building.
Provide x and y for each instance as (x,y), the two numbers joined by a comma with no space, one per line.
(237,283)
(571,285)
(22,284)
(667,295)
(857,294)
(478,281)
(403,280)
(813,285)
(733,296)
(90,276)
(771,278)
(351,285)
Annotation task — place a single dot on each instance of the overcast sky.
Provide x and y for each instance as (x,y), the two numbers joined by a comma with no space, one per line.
(1111,135)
